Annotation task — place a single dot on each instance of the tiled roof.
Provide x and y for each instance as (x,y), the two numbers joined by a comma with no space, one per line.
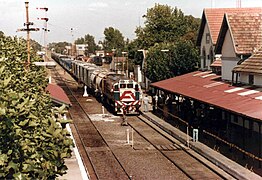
(246,29)
(217,63)
(214,18)
(252,64)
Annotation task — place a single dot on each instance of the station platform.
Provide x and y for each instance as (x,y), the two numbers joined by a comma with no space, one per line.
(213,156)
(76,170)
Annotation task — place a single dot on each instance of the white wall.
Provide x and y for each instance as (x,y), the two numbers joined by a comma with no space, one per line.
(227,66)
(258,80)
(243,78)
(229,59)
(207,47)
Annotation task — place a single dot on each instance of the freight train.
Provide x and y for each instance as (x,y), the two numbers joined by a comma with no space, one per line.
(122,93)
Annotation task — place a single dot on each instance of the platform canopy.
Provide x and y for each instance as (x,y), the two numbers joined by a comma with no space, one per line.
(208,88)
(58,95)
(50,64)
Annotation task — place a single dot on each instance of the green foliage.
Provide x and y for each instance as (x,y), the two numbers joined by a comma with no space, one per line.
(90,41)
(35,45)
(166,28)
(33,141)
(59,47)
(166,24)
(180,58)
(113,40)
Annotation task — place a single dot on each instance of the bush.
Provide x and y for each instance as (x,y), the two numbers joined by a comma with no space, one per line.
(33,143)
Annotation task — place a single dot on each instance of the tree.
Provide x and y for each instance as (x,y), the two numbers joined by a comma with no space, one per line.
(166,24)
(178,58)
(33,141)
(90,41)
(113,40)
(35,45)
(59,47)
(168,28)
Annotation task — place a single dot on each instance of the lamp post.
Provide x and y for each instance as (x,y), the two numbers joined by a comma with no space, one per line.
(124,53)
(113,51)
(169,55)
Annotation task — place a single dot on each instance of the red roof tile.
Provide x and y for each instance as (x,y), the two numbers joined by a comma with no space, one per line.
(214,18)
(216,63)
(246,29)
(57,94)
(252,64)
(206,87)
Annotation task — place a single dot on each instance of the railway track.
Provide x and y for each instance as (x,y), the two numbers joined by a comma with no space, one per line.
(99,159)
(190,163)
(110,157)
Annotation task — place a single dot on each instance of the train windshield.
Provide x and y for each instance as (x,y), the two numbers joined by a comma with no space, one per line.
(116,88)
(129,85)
(122,85)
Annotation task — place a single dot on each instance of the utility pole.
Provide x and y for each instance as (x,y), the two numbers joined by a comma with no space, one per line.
(27,24)
(45,29)
(73,43)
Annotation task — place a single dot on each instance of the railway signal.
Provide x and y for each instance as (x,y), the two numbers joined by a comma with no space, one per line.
(27,24)
(45,19)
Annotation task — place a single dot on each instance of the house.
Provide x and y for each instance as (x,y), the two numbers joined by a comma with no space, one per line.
(78,49)
(250,71)
(239,36)
(230,42)
(211,21)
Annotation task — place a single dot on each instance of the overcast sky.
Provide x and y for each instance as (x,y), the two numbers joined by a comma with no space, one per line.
(93,16)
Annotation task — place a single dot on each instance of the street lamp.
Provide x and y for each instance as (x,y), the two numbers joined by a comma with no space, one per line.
(169,55)
(113,51)
(124,53)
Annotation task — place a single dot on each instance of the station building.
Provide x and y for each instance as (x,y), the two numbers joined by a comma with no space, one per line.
(223,100)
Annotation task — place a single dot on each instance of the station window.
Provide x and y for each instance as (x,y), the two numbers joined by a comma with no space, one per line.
(122,85)
(251,79)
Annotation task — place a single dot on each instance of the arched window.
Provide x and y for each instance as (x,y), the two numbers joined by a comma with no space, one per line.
(211,54)
(204,57)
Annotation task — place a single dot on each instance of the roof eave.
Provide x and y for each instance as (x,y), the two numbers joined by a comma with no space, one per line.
(201,29)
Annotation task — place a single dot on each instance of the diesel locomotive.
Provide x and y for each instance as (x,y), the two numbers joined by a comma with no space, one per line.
(118,91)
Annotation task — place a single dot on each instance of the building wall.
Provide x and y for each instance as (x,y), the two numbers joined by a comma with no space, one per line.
(206,45)
(258,80)
(229,58)
(243,78)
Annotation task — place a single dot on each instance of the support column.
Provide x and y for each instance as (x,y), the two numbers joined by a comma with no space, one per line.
(243,132)
(232,82)
(236,78)
(259,127)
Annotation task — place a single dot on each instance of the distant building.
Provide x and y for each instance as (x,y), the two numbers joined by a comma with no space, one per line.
(78,50)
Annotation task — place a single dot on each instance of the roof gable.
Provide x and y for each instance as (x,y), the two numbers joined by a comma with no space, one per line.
(245,29)
(214,18)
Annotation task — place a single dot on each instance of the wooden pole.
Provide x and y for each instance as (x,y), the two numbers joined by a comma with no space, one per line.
(28,34)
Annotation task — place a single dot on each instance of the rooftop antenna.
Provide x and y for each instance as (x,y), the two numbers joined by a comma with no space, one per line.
(212,3)
(238,4)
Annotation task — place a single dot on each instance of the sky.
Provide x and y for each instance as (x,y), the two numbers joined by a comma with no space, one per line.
(93,16)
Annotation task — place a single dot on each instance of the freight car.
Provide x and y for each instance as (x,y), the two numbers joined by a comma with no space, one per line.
(114,89)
